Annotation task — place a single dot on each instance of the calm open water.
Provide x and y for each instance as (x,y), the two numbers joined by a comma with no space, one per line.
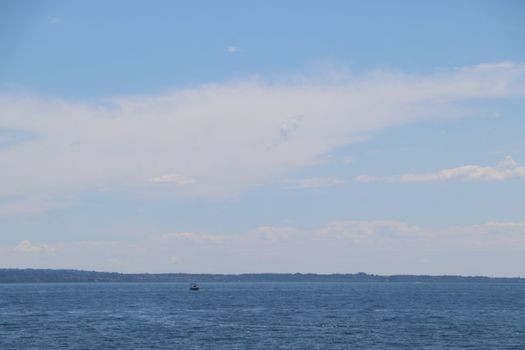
(262,316)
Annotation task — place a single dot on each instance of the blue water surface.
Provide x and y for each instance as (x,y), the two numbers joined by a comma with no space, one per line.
(262,316)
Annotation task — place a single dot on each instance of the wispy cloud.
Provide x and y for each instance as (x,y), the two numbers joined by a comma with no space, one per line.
(275,233)
(313,182)
(508,168)
(173,179)
(54,20)
(194,237)
(223,136)
(289,127)
(30,205)
(348,160)
(232,49)
(367,229)
(26,246)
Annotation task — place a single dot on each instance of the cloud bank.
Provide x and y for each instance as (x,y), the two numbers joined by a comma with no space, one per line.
(378,246)
(219,139)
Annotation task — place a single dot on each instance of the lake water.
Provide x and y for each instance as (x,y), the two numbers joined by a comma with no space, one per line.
(262,316)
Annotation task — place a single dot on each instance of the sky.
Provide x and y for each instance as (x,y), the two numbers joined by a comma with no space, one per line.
(263,136)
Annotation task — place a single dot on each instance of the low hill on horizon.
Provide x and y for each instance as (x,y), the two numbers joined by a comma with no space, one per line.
(66,275)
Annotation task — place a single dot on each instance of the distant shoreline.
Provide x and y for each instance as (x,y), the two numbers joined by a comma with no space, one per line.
(64,276)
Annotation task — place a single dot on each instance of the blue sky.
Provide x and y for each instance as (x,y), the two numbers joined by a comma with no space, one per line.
(265,136)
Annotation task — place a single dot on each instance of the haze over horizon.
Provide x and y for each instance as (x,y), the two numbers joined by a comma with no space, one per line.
(236,137)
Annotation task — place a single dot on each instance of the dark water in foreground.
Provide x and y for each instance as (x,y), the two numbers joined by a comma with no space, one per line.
(263,316)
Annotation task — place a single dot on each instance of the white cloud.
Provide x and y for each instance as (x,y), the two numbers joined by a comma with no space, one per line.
(54,20)
(314,182)
(224,137)
(506,169)
(232,49)
(173,178)
(26,246)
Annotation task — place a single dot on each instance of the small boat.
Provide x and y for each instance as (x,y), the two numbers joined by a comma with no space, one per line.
(194,286)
